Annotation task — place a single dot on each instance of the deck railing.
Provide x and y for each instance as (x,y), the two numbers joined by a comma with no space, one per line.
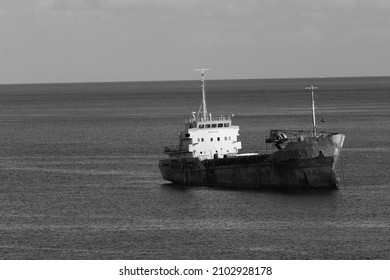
(278,135)
(209,119)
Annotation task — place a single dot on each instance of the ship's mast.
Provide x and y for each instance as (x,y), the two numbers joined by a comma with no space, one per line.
(313,108)
(203,108)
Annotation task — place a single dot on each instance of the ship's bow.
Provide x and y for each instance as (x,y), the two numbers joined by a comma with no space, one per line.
(338,142)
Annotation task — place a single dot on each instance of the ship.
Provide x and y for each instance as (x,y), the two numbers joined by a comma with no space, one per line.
(208,155)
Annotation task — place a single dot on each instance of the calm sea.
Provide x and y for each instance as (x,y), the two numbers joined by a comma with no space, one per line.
(79,173)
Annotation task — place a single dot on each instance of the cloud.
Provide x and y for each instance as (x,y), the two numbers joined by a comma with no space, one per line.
(264,15)
(211,7)
(248,33)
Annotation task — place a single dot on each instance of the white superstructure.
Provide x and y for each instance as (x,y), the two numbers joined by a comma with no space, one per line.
(206,136)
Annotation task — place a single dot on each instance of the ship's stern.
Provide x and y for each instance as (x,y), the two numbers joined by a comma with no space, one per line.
(164,167)
(185,171)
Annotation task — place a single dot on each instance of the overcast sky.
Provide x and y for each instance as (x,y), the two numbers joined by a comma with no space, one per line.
(132,40)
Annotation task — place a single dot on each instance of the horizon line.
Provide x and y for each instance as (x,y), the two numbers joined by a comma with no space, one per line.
(187,80)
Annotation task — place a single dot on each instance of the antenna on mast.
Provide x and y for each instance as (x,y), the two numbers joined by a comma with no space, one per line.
(203,108)
(313,108)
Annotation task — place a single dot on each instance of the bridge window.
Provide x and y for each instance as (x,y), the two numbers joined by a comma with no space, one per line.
(226,124)
(225,138)
(220,125)
(211,139)
(201,126)
(214,125)
(207,125)
(218,139)
(202,139)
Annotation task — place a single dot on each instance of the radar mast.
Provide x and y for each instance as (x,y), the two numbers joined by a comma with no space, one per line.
(202,113)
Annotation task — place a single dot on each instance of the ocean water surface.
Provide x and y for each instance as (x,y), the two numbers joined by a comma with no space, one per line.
(79,174)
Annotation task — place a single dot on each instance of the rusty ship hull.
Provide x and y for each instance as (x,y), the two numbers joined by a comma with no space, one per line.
(307,164)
